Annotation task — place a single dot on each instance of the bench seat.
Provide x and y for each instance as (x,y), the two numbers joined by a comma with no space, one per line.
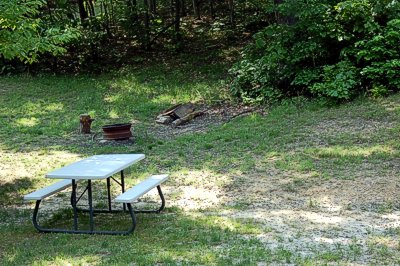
(49,190)
(142,188)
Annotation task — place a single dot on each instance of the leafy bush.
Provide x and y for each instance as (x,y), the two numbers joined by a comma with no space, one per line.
(23,34)
(381,57)
(334,49)
(339,81)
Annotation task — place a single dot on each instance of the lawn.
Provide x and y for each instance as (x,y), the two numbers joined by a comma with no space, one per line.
(302,184)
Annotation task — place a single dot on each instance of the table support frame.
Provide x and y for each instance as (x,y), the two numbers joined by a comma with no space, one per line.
(92,211)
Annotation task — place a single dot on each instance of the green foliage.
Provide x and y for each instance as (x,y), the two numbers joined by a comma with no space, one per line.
(339,81)
(23,34)
(85,49)
(381,55)
(334,49)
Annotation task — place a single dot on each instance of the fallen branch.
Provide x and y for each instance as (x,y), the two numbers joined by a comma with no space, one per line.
(240,114)
(187,118)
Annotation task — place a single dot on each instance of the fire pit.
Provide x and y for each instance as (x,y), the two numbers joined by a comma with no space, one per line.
(117,131)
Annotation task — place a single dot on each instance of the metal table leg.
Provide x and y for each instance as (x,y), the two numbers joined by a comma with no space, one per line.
(57,230)
(91,222)
(109,193)
(162,203)
(123,187)
(74,204)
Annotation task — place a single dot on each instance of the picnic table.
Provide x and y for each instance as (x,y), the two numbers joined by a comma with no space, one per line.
(98,167)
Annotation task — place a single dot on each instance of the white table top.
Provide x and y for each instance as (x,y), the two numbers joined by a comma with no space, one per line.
(96,167)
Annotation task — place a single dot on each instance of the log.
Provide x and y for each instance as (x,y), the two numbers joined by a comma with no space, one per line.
(179,111)
(245,112)
(164,119)
(186,118)
(170,110)
(184,110)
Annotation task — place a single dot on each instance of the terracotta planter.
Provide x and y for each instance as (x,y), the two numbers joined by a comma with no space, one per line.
(117,131)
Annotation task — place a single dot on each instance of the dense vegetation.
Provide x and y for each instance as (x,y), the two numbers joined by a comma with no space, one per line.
(95,34)
(330,49)
(335,49)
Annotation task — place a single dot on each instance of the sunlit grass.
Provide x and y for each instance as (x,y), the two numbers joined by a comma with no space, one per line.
(303,144)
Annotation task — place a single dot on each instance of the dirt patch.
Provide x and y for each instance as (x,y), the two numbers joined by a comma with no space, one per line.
(335,216)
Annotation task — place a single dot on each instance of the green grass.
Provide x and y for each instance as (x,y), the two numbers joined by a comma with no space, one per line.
(170,238)
(302,142)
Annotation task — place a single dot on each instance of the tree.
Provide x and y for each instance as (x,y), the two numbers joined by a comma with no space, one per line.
(23,35)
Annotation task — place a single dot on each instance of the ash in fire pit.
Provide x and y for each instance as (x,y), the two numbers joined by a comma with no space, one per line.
(117,131)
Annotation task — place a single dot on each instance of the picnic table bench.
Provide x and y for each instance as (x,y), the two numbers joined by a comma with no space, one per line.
(97,167)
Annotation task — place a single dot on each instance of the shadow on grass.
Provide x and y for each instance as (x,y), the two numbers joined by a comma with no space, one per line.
(10,192)
(167,238)
(254,144)
(50,106)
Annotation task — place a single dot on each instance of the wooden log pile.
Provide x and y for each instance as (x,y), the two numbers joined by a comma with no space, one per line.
(178,115)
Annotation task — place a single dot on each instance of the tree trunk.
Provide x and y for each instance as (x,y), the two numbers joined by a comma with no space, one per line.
(112,13)
(82,11)
(231,12)
(183,8)
(187,118)
(172,6)
(132,11)
(196,9)
(178,36)
(153,6)
(283,19)
(107,21)
(212,10)
(91,8)
(146,25)
(49,9)
(278,18)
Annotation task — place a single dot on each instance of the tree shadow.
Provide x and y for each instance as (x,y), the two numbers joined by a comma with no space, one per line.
(48,107)
(11,191)
(167,238)
(280,146)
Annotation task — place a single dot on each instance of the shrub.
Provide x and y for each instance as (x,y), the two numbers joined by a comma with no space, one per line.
(381,57)
(338,81)
(334,49)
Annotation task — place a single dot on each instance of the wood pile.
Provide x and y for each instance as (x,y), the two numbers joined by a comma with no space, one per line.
(178,115)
